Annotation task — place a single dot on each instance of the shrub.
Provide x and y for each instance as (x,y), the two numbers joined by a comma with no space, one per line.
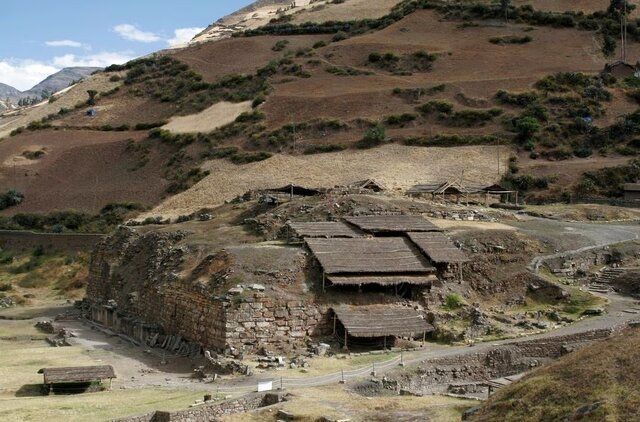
(324,148)
(10,198)
(440,106)
(374,136)
(280,45)
(320,44)
(453,301)
(527,127)
(521,99)
(510,39)
(5,287)
(400,119)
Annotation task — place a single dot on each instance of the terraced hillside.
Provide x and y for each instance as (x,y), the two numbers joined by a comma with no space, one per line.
(420,74)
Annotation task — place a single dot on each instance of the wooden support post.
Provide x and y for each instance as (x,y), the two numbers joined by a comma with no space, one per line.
(323,281)
(516,197)
(345,339)
(424,338)
(110,381)
(384,343)
(334,323)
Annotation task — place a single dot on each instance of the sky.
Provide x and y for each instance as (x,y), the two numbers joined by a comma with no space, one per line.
(40,37)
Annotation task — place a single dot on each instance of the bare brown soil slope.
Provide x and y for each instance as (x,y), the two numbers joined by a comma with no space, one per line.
(81,170)
(596,383)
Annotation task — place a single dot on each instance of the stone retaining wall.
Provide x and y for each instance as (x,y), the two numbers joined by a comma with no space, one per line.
(500,361)
(17,240)
(209,412)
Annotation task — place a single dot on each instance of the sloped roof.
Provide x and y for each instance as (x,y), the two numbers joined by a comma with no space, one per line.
(369,256)
(445,187)
(392,223)
(632,187)
(438,247)
(71,374)
(324,229)
(383,280)
(381,320)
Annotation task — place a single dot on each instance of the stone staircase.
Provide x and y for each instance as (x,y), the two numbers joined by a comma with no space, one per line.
(602,282)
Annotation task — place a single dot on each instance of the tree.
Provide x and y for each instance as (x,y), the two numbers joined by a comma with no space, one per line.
(92,97)
(505,5)
(527,127)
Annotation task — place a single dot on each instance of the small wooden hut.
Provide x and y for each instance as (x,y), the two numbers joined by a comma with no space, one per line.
(446,257)
(392,225)
(76,379)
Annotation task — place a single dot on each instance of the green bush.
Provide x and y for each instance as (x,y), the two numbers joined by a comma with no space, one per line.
(323,148)
(400,119)
(10,198)
(453,301)
(440,106)
(510,39)
(374,136)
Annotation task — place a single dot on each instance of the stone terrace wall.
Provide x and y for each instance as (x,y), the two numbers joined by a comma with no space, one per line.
(51,242)
(499,361)
(209,412)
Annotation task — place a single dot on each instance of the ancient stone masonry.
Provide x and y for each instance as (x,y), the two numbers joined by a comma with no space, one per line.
(208,412)
(496,362)
(139,286)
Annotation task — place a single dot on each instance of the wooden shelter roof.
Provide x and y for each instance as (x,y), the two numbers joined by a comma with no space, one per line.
(370,184)
(455,187)
(392,223)
(324,229)
(72,374)
(381,320)
(438,247)
(383,280)
(369,256)
(297,190)
(631,187)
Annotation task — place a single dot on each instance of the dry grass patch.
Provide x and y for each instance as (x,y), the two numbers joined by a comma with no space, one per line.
(208,120)
(395,166)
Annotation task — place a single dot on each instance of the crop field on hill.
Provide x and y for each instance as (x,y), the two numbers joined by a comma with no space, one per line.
(394,166)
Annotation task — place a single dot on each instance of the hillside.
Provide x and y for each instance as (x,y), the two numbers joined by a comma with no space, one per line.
(596,383)
(426,75)
(9,92)
(60,80)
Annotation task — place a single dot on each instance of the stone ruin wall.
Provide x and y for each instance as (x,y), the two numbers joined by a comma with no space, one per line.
(134,289)
(494,362)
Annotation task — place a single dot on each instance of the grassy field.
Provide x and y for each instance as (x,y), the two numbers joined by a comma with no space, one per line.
(23,352)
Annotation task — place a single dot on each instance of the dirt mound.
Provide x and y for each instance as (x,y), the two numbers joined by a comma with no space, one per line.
(628,283)
(599,382)
(81,170)
(397,167)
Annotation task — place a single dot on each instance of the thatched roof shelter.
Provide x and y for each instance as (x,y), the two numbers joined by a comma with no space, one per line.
(381,224)
(77,374)
(381,321)
(324,229)
(369,184)
(438,247)
(297,190)
(385,255)
(382,280)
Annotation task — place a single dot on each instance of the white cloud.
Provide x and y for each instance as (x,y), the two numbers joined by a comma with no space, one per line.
(183,36)
(23,74)
(131,33)
(64,43)
(96,60)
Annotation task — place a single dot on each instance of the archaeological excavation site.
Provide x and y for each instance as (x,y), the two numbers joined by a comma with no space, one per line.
(320,211)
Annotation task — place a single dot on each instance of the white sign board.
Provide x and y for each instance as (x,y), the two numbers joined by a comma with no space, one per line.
(265,386)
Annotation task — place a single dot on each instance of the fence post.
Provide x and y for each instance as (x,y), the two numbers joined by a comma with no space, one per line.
(401,359)
(373,372)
